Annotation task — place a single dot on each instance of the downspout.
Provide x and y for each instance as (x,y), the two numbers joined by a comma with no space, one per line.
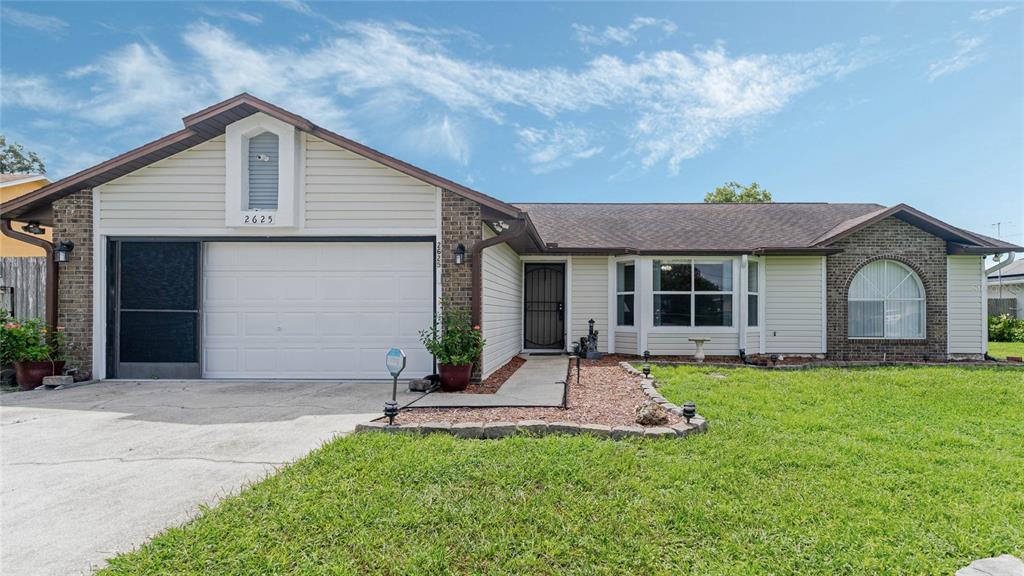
(517,229)
(1001,265)
(51,267)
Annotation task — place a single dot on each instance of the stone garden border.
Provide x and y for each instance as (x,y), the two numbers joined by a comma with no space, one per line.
(536,428)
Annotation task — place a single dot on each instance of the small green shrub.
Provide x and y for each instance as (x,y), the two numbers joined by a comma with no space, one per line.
(1005,328)
(455,341)
(30,340)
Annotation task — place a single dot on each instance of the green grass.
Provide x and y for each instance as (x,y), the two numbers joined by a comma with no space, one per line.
(875,471)
(1003,349)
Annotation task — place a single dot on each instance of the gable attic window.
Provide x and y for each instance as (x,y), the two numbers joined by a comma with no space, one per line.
(263,171)
(263,183)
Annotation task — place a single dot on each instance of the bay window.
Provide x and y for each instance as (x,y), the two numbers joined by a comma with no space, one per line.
(625,293)
(886,300)
(692,293)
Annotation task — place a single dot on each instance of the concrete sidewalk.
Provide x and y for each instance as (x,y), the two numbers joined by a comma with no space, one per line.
(92,471)
(538,382)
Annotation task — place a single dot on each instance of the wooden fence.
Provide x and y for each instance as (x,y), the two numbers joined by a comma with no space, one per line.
(23,286)
(1000,306)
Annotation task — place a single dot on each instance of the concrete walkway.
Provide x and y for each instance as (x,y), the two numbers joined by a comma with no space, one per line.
(92,471)
(538,382)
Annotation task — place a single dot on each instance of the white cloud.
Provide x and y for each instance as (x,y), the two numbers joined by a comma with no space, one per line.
(667,106)
(38,22)
(297,6)
(242,16)
(442,136)
(622,35)
(30,91)
(986,14)
(556,148)
(966,54)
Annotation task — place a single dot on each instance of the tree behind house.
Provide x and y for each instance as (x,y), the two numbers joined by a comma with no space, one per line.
(14,159)
(736,192)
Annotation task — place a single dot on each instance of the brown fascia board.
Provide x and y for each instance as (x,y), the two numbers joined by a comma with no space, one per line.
(196,128)
(910,215)
(955,248)
(621,251)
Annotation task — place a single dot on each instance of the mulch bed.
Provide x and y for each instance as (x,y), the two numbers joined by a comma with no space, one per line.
(496,379)
(605,395)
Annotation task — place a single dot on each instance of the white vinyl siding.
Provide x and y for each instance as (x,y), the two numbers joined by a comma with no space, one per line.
(793,304)
(966,304)
(678,343)
(502,305)
(185,190)
(347,191)
(589,298)
(625,343)
(753,341)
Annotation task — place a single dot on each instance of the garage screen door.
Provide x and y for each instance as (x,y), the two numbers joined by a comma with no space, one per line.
(315,310)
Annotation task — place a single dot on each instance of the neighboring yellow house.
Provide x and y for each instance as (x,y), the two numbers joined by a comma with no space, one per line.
(12,186)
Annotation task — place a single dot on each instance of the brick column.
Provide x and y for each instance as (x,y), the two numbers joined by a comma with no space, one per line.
(460,224)
(72,221)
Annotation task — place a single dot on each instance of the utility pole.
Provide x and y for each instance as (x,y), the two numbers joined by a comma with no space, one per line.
(999,273)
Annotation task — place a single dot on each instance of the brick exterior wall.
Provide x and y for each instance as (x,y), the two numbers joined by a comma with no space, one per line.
(891,239)
(72,220)
(460,224)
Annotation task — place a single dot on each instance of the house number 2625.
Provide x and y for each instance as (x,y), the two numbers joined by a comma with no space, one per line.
(258,219)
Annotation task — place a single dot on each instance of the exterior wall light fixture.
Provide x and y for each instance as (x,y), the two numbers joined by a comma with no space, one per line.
(62,253)
(460,254)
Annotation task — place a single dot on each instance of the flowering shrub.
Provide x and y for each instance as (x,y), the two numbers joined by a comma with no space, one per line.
(1005,328)
(455,342)
(29,341)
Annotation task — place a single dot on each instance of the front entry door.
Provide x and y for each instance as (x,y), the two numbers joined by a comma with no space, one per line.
(544,306)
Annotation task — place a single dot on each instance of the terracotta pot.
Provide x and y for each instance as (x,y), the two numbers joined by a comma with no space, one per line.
(30,374)
(454,378)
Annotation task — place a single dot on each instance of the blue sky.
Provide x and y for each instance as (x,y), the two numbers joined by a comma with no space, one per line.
(920,103)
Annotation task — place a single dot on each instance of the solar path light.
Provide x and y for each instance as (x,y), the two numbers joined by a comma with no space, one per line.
(395,361)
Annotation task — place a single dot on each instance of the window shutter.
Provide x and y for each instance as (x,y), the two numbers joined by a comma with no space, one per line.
(263,171)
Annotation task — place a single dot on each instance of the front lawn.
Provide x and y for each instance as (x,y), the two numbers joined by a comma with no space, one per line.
(1003,349)
(877,471)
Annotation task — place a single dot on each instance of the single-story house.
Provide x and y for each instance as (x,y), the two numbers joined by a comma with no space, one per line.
(1006,289)
(255,244)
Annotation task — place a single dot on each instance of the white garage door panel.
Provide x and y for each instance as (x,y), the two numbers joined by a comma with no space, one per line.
(315,310)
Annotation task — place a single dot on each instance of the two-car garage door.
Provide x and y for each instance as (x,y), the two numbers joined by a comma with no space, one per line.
(314,309)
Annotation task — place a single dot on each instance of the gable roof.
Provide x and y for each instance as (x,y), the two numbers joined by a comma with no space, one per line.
(209,123)
(15,179)
(779,228)
(1012,270)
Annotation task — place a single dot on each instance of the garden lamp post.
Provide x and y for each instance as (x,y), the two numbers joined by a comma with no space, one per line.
(689,411)
(395,361)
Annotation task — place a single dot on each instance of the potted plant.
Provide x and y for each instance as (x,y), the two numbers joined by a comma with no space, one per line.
(455,344)
(33,349)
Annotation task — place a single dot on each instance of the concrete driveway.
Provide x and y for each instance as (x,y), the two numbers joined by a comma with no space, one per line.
(95,470)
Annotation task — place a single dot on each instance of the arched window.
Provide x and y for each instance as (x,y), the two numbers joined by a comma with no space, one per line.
(263,169)
(886,300)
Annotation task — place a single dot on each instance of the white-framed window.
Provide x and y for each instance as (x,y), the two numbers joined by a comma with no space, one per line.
(692,293)
(886,300)
(263,180)
(625,293)
(263,169)
(753,293)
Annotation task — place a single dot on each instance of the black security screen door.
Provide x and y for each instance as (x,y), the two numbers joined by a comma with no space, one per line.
(155,301)
(544,306)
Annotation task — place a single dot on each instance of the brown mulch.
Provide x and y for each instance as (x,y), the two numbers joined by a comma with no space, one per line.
(606,394)
(493,382)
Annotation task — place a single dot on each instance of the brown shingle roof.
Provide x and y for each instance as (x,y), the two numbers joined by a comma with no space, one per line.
(689,227)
